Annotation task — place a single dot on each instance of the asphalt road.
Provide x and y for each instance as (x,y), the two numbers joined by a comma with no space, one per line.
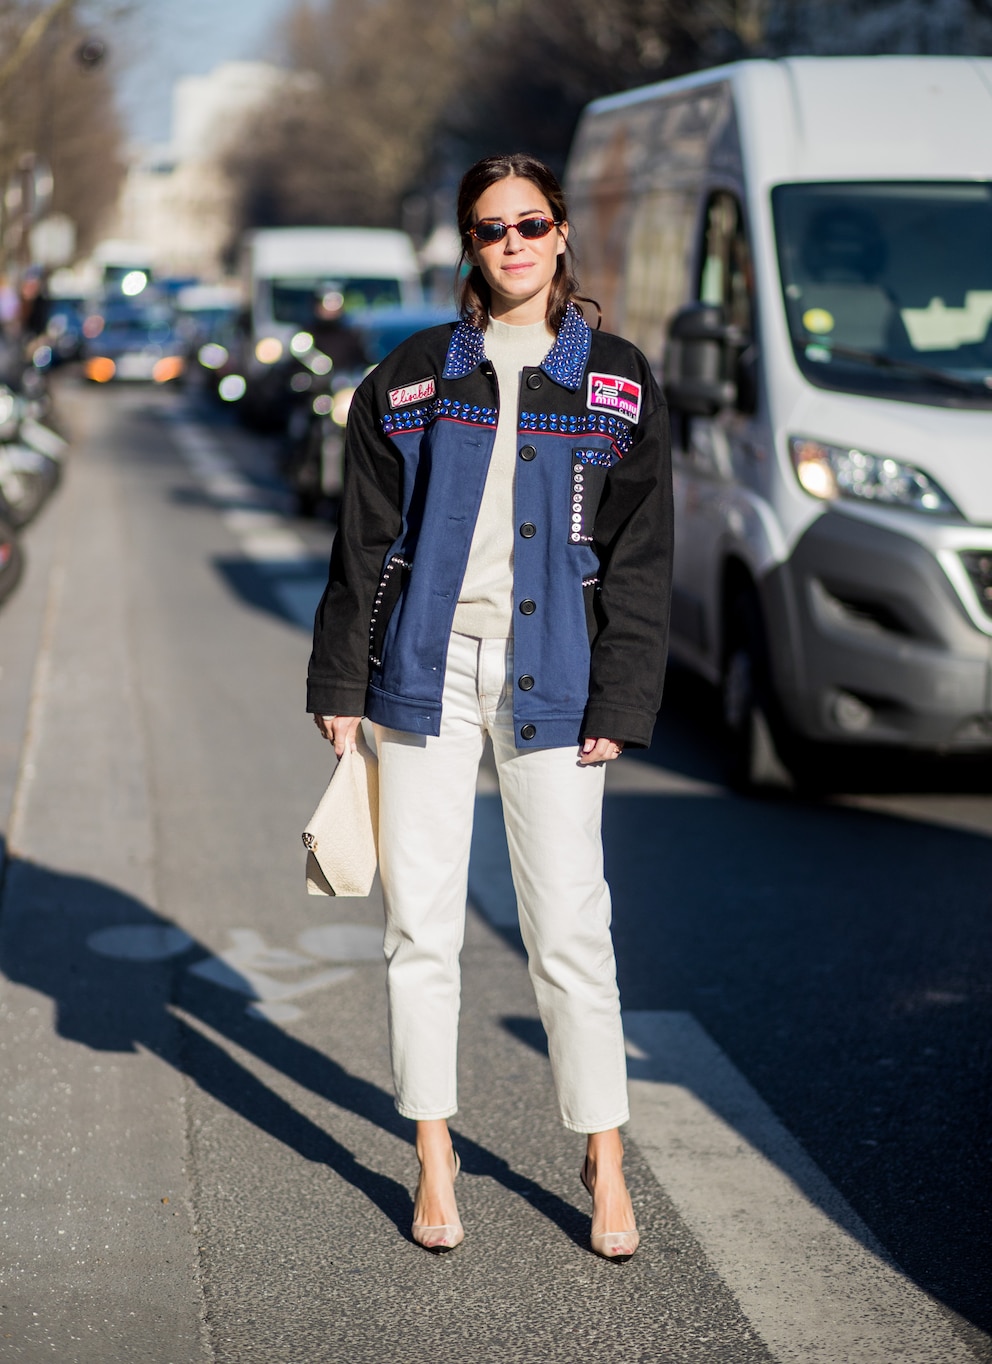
(201,1161)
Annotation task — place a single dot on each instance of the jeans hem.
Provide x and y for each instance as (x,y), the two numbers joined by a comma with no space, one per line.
(418,1116)
(588,1129)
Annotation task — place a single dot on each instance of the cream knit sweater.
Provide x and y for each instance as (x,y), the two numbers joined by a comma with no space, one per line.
(485,604)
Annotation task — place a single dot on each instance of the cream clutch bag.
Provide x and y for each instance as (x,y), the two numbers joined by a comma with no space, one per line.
(342,836)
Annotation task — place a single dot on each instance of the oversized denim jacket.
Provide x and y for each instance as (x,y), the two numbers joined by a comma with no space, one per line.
(592,550)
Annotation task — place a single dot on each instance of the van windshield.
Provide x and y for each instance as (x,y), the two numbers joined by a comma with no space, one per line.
(294,300)
(888,287)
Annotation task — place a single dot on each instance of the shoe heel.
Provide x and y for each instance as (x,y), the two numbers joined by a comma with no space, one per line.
(440,1239)
(618,1246)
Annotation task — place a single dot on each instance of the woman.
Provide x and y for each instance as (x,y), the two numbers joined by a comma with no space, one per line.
(502,566)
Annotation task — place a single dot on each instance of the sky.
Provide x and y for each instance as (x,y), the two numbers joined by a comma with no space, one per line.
(166,39)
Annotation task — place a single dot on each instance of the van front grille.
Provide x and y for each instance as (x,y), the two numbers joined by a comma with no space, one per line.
(979,566)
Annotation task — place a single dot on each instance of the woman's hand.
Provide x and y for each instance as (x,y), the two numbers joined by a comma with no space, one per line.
(339,730)
(599,751)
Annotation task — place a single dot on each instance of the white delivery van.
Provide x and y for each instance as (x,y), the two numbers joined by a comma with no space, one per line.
(804,249)
(287,270)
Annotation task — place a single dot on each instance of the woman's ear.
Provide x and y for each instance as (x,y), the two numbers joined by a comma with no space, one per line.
(562,239)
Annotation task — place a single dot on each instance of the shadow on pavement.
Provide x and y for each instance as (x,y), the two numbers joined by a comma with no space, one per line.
(288,589)
(688,740)
(841,958)
(113,1003)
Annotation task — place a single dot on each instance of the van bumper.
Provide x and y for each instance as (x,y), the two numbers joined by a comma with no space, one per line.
(886,652)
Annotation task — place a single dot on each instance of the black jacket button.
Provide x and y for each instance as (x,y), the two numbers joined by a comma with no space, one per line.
(528,731)
(528,530)
(528,607)
(526,682)
(527,452)
(534,381)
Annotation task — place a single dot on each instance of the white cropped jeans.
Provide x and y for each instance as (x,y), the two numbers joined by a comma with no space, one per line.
(553,813)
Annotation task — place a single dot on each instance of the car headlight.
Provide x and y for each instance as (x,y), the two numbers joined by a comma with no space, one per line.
(342,406)
(831,472)
(268,351)
(212,355)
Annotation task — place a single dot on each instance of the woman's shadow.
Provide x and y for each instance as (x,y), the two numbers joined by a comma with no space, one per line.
(148,994)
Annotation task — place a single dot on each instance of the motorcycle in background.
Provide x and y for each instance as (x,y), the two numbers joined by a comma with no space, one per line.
(319,396)
(31,455)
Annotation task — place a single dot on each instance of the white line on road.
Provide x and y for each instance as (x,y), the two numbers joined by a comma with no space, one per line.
(808,1274)
(39,694)
(260,531)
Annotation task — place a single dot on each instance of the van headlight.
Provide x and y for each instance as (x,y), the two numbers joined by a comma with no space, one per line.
(831,472)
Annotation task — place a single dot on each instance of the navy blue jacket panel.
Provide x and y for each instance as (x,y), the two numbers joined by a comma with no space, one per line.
(592,548)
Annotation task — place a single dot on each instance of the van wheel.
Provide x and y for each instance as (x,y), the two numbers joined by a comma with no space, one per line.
(749,712)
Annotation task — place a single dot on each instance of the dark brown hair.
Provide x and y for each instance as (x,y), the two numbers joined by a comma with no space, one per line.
(475,296)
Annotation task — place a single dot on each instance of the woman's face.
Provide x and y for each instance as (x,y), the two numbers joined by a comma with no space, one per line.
(518,272)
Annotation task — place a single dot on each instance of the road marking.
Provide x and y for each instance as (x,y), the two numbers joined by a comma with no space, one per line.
(139,942)
(810,1277)
(247,966)
(343,942)
(36,710)
(628,776)
(259,528)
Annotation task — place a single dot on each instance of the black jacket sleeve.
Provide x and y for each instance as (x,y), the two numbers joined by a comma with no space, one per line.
(369,523)
(633,537)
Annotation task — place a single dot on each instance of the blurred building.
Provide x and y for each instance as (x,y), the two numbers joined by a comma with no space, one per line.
(177,199)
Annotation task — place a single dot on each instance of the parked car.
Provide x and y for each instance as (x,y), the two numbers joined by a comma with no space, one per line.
(132,341)
(801,247)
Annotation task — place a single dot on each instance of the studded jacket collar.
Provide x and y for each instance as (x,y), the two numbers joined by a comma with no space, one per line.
(592,560)
(565,362)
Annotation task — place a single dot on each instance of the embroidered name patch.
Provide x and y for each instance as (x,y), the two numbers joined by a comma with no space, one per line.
(611,393)
(419,392)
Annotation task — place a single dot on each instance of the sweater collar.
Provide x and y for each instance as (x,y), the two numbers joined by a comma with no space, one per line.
(565,362)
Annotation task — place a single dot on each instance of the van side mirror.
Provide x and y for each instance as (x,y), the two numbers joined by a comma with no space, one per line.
(703,360)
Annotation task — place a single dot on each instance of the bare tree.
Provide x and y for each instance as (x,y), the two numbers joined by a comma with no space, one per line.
(407,91)
(884,26)
(381,72)
(545,59)
(58,111)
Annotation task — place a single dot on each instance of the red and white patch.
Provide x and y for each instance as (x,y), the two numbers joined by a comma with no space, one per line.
(612,393)
(412,393)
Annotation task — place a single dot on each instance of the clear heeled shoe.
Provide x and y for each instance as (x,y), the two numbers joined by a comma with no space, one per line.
(611,1245)
(444,1237)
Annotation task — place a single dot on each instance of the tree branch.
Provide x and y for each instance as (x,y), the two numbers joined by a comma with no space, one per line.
(31,37)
